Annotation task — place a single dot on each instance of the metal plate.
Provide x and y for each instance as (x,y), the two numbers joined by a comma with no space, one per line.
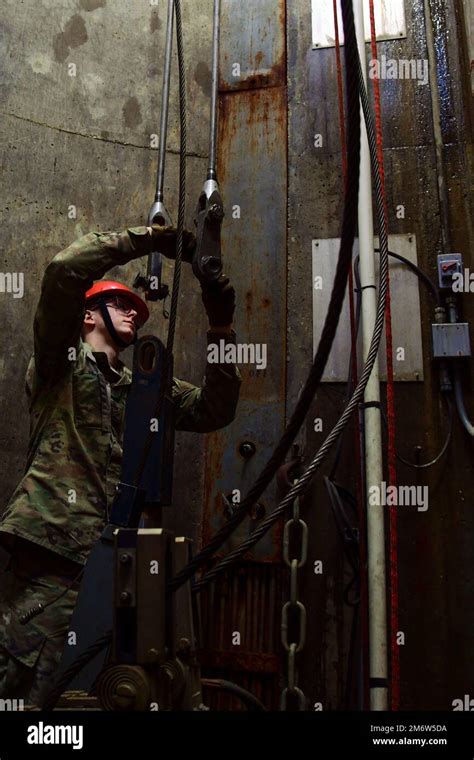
(405,302)
(451,340)
(252,50)
(389,21)
(253,175)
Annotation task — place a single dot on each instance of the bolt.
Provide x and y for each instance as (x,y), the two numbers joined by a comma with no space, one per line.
(184,646)
(247,449)
(125,596)
(153,655)
(216,211)
(125,694)
(125,559)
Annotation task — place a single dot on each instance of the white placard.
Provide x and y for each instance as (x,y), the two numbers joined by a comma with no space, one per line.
(389,21)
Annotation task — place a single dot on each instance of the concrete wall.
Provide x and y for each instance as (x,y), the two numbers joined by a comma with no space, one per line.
(84,140)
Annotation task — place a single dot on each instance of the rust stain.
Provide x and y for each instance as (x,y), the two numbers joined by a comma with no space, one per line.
(259,113)
(276,75)
(212,473)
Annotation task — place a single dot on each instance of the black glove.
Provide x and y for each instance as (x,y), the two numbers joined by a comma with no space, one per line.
(165,240)
(219,299)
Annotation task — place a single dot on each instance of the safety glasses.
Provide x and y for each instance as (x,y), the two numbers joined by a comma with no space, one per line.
(124,307)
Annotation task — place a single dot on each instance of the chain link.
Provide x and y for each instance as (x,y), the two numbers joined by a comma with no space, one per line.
(295,523)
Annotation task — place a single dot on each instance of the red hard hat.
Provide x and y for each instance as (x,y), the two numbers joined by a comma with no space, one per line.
(112,288)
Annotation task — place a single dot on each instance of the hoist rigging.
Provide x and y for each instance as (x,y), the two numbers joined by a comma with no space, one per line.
(207,266)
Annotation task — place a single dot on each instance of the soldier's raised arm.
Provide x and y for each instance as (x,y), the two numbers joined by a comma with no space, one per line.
(60,312)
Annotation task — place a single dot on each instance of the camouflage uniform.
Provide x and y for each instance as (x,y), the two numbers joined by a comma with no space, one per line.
(77,405)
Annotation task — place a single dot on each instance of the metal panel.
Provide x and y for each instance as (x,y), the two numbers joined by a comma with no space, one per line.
(246,599)
(389,21)
(252,44)
(253,175)
(405,302)
(252,170)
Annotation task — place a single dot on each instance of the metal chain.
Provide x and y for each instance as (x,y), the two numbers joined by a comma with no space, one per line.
(295,564)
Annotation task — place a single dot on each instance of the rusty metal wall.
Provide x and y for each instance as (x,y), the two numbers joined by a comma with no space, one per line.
(252,171)
(436,549)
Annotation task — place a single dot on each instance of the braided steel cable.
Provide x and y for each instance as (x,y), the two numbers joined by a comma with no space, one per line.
(166,378)
(352,59)
(330,324)
(72,671)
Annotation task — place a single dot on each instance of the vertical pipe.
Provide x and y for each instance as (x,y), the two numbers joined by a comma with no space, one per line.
(373,435)
(164,103)
(211,172)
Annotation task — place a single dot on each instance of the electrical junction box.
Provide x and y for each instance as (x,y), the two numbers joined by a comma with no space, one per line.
(449,264)
(450,340)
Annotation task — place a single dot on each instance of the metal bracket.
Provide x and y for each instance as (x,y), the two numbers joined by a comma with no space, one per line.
(207,260)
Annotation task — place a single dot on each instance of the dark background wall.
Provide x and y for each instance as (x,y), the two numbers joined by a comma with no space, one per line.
(85,141)
(435,548)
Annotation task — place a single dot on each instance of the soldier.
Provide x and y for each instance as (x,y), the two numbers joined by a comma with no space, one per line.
(77,388)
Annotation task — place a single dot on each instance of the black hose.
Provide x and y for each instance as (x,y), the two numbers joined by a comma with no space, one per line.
(432,287)
(416,269)
(443,449)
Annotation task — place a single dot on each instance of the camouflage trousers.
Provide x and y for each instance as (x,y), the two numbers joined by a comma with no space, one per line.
(30,653)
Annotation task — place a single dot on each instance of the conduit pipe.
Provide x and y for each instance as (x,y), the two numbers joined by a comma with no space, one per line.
(377,592)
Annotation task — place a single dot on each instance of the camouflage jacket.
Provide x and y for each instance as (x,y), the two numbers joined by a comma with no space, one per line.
(77,406)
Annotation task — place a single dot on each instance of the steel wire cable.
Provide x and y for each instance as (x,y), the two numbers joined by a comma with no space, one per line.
(168,360)
(329,329)
(75,667)
(303,483)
